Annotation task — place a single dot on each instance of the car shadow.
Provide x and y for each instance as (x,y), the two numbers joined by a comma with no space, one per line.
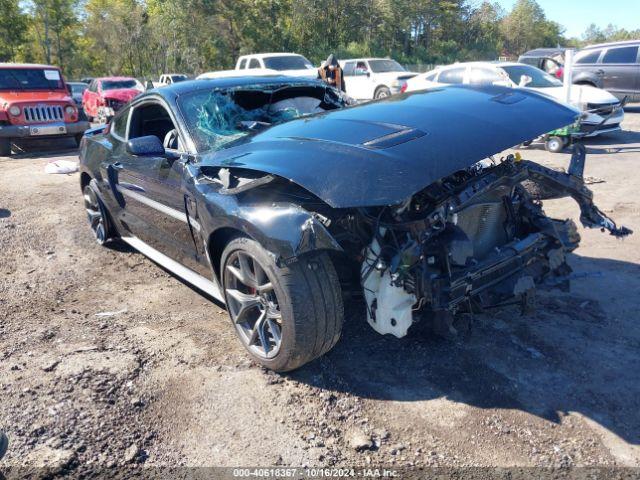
(573,354)
(44,148)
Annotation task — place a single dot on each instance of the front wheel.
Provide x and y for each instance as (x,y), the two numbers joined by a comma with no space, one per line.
(284,317)
(99,221)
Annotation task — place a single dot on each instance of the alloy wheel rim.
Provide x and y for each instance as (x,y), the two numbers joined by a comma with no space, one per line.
(94,214)
(253,305)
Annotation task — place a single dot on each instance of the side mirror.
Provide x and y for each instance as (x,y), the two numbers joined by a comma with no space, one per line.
(149,146)
(525,80)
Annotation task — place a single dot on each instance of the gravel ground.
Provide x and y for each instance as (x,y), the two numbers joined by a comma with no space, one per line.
(108,360)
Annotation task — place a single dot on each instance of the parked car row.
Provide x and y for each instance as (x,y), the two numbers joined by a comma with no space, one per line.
(614,66)
(602,110)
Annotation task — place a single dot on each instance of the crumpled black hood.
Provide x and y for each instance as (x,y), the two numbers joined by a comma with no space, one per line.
(382,152)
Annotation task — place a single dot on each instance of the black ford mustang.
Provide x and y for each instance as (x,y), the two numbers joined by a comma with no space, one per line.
(278,198)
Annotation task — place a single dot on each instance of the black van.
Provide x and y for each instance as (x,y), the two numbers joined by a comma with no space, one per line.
(612,66)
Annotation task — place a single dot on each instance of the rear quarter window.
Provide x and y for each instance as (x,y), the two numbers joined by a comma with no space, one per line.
(621,55)
(119,125)
(588,57)
(452,76)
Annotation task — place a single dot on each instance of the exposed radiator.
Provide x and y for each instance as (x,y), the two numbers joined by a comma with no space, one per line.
(484,225)
(44,113)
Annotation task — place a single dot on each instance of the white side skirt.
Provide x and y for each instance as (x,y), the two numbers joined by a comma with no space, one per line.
(180,270)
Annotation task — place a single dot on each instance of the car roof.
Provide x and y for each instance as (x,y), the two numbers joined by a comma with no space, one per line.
(272,54)
(114,78)
(543,52)
(181,88)
(365,58)
(612,44)
(27,65)
(478,64)
(78,83)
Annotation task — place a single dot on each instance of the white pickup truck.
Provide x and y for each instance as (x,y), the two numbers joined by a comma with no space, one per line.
(168,79)
(290,64)
(369,78)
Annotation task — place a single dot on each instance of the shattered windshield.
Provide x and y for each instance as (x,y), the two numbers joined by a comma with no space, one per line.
(216,118)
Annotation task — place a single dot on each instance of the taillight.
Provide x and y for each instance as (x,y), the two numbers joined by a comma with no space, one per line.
(403,88)
(560,73)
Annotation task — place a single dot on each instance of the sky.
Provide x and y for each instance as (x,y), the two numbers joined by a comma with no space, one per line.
(577,15)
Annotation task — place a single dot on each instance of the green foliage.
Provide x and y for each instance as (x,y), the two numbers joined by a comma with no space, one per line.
(13,25)
(145,38)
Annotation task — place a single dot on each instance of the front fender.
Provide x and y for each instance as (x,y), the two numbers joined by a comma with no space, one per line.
(285,230)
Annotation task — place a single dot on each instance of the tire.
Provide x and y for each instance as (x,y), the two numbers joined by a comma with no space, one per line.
(554,144)
(5,147)
(98,216)
(382,92)
(301,302)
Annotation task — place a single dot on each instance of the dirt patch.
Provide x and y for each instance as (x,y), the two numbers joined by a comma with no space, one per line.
(161,379)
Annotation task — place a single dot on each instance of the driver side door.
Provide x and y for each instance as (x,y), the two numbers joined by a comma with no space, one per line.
(150,186)
(357,79)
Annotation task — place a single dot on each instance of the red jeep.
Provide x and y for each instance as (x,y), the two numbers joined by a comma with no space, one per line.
(105,96)
(35,103)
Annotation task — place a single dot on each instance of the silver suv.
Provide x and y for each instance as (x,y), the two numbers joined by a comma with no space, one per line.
(612,66)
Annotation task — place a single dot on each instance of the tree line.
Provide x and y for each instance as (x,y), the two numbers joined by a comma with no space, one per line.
(144,38)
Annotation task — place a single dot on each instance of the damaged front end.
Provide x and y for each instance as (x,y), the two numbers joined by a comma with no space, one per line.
(475,240)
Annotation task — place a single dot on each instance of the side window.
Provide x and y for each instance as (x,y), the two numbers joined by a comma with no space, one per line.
(587,57)
(254,63)
(431,77)
(119,124)
(92,87)
(243,64)
(452,75)
(621,55)
(362,66)
(484,76)
(349,69)
(153,119)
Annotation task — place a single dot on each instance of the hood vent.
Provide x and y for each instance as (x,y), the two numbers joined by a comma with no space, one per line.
(395,138)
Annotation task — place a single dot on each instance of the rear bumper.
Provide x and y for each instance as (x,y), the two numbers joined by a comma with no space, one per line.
(24,131)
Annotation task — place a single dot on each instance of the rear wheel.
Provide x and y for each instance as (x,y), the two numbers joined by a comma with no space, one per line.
(284,317)
(98,217)
(382,92)
(5,147)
